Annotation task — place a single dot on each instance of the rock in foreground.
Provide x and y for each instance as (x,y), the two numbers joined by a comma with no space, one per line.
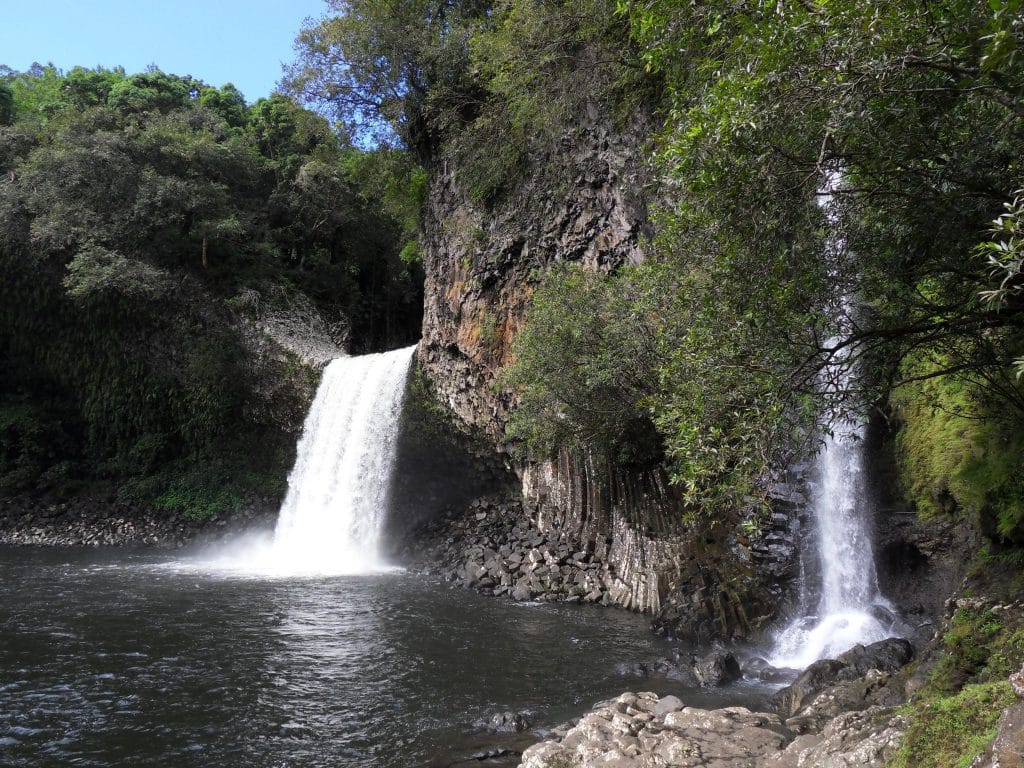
(639,730)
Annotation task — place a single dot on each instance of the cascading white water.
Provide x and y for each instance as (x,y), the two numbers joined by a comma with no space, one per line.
(849,609)
(332,515)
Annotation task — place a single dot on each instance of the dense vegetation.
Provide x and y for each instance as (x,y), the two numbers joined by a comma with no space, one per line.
(837,197)
(152,224)
(838,222)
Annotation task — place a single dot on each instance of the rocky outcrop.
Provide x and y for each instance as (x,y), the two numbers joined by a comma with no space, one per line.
(582,201)
(494,549)
(865,739)
(1007,749)
(493,546)
(839,713)
(281,321)
(639,730)
(703,580)
(857,680)
(440,464)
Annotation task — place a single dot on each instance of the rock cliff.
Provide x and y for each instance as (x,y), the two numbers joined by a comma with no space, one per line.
(584,201)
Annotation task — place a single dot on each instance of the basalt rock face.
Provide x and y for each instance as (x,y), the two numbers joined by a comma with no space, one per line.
(585,202)
(702,581)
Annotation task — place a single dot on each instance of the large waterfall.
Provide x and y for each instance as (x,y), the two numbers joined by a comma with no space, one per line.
(333,514)
(844,607)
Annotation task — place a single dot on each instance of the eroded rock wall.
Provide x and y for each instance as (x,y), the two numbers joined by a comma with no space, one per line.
(585,201)
(702,579)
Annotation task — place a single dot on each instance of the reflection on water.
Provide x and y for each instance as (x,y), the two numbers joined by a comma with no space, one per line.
(119,660)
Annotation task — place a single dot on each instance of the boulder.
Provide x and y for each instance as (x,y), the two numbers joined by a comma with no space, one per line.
(717,668)
(820,675)
(886,656)
(508,722)
(883,658)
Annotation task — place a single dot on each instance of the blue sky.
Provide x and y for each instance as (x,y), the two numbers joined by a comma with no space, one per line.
(243,42)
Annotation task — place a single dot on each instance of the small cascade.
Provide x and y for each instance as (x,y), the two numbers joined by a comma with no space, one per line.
(333,513)
(844,607)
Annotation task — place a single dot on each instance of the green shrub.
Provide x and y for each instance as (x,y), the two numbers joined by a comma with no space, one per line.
(949,732)
(584,365)
(958,458)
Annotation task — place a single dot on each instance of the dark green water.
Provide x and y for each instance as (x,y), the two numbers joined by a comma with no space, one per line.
(121,659)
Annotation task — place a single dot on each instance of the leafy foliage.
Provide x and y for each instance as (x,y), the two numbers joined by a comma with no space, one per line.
(952,731)
(626,366)
(958,457)
(490,87)
(584,369)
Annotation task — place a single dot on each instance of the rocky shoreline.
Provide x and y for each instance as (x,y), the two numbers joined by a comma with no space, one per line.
(641,730)
(110,522)
(496,550)
(838,712)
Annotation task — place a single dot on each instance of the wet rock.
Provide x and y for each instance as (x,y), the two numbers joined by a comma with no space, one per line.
(850,680)
(717,668)
(757,668)
(506,722)
(521,593)
(816,677)
(886,655)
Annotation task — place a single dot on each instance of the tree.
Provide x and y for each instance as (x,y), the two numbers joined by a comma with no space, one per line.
(153,91)
(6,105)
(142,213)
(920,109)
(227,101)
(379,64)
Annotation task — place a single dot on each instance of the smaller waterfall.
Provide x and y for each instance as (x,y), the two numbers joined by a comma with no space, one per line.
(849,608)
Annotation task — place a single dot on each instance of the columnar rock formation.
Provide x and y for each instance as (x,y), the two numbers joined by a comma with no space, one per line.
(482,262)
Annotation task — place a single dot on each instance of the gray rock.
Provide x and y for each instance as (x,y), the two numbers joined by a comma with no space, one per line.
(848,676)
(886,656)
(667,704)
(508,722)
(521,593)
(816,677)
(717,668)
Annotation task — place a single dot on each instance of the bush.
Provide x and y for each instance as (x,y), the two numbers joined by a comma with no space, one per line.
(949,732)
(584,367)
(957,457)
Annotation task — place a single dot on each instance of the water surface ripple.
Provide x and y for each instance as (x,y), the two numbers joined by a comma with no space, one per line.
(115,659)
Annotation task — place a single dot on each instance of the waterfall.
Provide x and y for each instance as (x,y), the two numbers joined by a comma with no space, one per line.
(849,609)
(333,514)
